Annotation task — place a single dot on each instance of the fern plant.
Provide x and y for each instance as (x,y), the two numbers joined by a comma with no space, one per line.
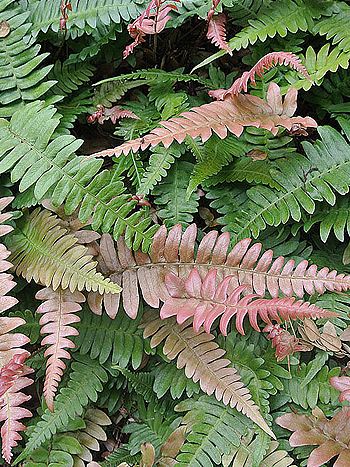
(174,273)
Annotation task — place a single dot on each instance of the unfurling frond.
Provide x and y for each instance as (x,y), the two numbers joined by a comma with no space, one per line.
(45,252)
(13,378)
(202,361)
(57,315)
(175,252)
(331,436)
(205,300)
(217,32)
(265,63)
(220,117)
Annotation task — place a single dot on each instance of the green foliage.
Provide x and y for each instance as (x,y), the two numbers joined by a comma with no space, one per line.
(21,74)
(85,382)
(171,196)
(118,340)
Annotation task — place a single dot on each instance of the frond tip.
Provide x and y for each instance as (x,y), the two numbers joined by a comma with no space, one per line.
(232,114)
(217,32)
(265,63)
(205,301)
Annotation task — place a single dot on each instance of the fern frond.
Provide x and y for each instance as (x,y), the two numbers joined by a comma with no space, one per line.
(335,27)
(52,166)
(21,77)
(170,196)
(69,77)
(118,340)
(213,431)
(58,313)
(177,252)
(205,300)
(13,379)
(232,114)
(212,372)
(160,161)
(169,378)
(45,252)
(85,382)
(110,92)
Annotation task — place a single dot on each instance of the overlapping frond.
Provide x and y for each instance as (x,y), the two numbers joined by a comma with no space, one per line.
(57,316)
(52,167)
(217,32)
(205,300)
(175,252)
(221,117)
(202,360)
(21,76)
(44,252)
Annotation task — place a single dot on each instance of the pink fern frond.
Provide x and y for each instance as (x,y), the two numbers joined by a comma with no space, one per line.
(13,379)
(265,63)
(220,117)
(204,300)
(58,314)
(217,32)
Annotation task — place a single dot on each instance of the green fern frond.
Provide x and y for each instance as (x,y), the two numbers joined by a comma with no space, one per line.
(241,11)
(336,27)
(160,161)
(103,338)
(309,386)
(70,77)
(245,169)
(21,78)
(170,196)
(71,109)
(85,382)
(43,251)
(84,17)
(110,92)
(168,378)
(153,76)
(132,167)
(323,172)
(214,430)
(52,166)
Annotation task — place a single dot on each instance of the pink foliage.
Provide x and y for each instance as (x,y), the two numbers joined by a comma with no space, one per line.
(204,300)
(214,5)
(113,113)
(58,314)
(265,63)
(342,384)
(217,32)
(13,378)
(152,21)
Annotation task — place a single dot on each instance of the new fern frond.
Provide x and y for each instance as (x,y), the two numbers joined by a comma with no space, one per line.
(204,301)
(57,315)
